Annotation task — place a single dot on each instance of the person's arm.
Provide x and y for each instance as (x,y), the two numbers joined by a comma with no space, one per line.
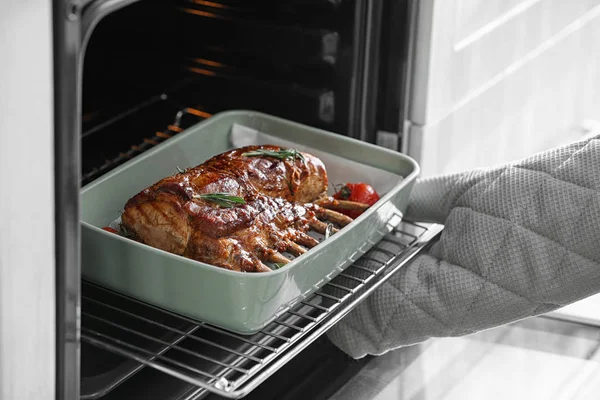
(519,240)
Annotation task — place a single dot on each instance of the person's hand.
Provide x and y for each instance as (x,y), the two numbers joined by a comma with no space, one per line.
(519,240)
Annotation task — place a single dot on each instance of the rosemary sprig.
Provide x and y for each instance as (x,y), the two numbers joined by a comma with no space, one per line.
(222,199)
(290,186)
(328,231)
(282,154)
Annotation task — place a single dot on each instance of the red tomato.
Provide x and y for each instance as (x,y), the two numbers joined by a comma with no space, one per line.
(109,229)
(358,192)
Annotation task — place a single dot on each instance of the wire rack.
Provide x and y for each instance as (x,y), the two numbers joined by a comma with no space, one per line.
(183,119)
(230,364)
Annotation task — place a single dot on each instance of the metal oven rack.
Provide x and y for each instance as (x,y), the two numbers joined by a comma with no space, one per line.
(226,363)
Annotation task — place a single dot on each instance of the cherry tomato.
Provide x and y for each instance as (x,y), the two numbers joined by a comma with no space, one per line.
(109,229)
(358,192)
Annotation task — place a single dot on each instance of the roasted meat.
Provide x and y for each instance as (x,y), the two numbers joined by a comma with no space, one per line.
(297,177)
(236,210)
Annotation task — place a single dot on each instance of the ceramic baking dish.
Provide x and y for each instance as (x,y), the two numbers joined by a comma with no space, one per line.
(240,302)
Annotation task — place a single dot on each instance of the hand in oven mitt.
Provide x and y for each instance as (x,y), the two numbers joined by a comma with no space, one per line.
(519,240)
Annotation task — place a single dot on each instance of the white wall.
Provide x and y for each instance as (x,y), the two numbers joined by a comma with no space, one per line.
(498,80)
(27,299)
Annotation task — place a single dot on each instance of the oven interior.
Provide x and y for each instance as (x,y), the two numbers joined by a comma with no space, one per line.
(154,68)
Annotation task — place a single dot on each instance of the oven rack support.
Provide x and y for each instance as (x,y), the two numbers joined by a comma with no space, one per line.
(233,365)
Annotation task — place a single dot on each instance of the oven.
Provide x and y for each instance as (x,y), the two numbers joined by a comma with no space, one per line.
(335,65)
(102,81)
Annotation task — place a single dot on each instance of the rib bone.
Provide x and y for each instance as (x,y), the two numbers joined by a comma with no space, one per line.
(318,226)
(331,203)
(295,249)
(263,268)
(334,216)
(277,257)
(306,240)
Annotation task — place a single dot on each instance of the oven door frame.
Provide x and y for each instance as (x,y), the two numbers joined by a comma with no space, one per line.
(67,112)
(72,24)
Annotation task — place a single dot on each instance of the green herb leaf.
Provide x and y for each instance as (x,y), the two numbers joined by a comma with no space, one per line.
(278,265)
(222,199)
(290,186)
(345,193)
(282,154)
(328,231)
(181,171)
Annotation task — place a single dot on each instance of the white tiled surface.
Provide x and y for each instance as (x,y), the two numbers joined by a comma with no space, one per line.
(534,359)
(504,372)
(510,373)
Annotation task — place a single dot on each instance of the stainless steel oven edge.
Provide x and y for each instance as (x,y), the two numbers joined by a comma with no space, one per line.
(73,22)
(418,33)
(67,109)
(92,12)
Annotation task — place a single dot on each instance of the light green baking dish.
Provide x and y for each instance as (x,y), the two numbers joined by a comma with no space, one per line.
(240,302)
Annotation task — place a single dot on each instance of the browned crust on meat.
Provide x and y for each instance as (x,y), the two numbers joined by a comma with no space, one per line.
(170,216)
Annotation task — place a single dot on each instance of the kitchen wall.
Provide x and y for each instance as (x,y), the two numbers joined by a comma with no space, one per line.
(27,252)
(498,80)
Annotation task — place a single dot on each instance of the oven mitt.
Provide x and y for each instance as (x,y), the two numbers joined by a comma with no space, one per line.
(519,240)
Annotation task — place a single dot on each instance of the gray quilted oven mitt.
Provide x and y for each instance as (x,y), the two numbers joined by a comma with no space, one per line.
(519,240)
